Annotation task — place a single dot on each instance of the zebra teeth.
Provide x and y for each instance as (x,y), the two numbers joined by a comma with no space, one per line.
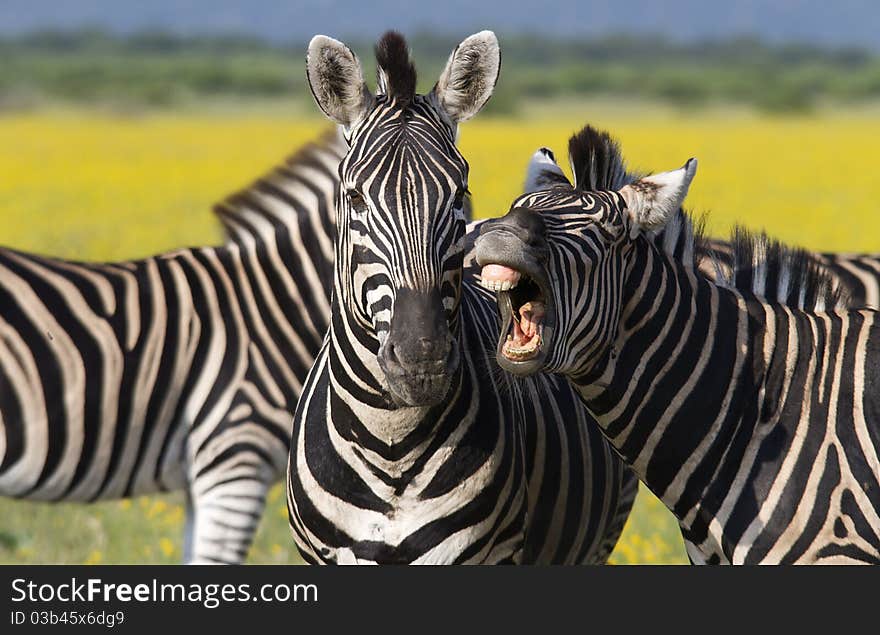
(522,352)
(524,342)
(499,278)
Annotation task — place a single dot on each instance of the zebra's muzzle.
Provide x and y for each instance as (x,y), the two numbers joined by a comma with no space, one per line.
(421,384)
(419,356)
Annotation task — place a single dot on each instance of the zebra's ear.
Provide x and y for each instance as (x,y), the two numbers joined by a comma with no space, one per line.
(337,81)
(653,200)
(467,82)
(543,172)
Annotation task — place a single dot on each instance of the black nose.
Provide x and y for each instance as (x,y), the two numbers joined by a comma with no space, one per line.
(428,356)
(419,334)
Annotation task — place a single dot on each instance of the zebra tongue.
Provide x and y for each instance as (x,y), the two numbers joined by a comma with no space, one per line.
(520,337)
(531,316)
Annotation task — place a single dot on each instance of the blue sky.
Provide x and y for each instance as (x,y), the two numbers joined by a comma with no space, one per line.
(832,23)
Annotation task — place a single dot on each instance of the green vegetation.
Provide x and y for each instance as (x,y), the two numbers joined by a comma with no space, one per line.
(152,69)
(145,530)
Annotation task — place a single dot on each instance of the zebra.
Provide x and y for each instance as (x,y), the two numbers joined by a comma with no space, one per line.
(175,372)
(407,447)
(754,422)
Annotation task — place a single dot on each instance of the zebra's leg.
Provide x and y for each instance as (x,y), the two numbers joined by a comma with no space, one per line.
(228,502)
(695,556)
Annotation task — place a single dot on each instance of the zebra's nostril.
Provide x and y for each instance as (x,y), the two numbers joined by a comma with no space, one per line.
(391,352)
(525,219)
(424,354)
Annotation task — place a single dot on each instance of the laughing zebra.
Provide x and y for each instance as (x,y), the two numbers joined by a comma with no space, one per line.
(755,423)
(176,372)
(407,447)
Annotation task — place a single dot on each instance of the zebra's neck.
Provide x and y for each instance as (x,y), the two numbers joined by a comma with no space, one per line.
(281,231)
(688,382)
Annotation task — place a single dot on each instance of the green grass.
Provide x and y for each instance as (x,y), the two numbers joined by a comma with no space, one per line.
(143,530)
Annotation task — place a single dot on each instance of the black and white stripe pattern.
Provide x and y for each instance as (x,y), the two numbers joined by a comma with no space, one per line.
(177,372)
(450,462)
(756,423)
(858,275)
(854,276)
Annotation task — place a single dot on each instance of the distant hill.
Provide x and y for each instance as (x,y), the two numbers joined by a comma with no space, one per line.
(839,23)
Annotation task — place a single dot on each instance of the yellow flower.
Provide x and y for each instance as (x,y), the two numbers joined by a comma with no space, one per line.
(167,547)
(158,506)
(174,515)
(95,557)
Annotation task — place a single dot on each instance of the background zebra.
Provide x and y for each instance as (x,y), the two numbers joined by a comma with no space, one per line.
(172,372)
(754,422)
(406,447)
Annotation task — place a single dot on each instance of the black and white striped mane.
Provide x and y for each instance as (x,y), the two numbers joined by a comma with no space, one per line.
(774,271)
(396,73)
(274,197)
(596,161)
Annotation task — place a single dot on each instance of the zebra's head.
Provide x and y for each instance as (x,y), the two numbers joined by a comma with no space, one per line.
(559,258)
(400,209)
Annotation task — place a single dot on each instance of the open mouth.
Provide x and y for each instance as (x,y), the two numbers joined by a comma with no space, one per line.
(523,307)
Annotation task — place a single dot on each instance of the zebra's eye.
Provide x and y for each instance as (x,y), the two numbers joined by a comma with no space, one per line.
(358,202)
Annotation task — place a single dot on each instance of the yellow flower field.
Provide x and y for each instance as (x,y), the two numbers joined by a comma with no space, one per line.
(99,186)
